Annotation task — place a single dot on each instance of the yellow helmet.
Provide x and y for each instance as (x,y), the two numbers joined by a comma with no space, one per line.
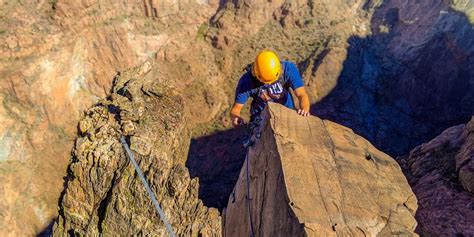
(267,67)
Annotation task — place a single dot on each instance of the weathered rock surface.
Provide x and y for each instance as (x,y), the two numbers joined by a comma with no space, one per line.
(103,193)
(58,58)
(411,78)
(441,173)
(397,72)
(298,31)
(313,177)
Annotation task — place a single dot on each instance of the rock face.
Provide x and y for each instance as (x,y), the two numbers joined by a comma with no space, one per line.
(58,58)
(103,193)
(397,72)
(441,173)
(313,177)
(411,78)
(298,32)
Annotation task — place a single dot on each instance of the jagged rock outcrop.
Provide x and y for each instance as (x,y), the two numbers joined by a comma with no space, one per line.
(441,173)
(58,58)
(103,193)
(313,177)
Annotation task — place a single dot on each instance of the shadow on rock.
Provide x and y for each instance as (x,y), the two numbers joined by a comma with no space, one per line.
(216,160)
(400,86)
(48,231)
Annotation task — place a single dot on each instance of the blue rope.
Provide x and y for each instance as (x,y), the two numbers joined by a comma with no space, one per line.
(148,189)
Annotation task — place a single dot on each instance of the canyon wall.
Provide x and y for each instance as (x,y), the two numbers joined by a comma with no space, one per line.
(58,58)
(441,173)
(396,72)
(411,78)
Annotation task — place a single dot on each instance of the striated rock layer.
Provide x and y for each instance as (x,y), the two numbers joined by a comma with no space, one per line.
(441,173)
(313,177)
(104,195)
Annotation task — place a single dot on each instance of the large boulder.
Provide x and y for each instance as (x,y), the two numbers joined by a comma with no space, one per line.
(313,177)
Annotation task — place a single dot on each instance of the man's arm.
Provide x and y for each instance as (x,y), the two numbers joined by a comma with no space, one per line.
(296,82)
(242,93)
(235,115)
(303,99)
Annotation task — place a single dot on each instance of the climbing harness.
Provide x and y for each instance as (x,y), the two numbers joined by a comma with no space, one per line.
(247,143)
(274,90)
(147,187)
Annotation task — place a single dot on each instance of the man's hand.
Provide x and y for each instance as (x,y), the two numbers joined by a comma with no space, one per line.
(303,112)
(235,115)
(264,95)
(304,101)
(237,121)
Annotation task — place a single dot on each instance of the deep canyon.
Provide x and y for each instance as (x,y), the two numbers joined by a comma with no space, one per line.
(78,74)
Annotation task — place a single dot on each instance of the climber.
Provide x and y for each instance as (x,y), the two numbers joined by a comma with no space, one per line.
(268,79)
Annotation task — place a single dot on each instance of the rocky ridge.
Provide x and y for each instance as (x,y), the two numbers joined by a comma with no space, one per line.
(312,177)
(104,195)
(441,173)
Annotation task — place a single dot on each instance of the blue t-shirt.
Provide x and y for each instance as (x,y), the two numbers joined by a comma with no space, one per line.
(279,92)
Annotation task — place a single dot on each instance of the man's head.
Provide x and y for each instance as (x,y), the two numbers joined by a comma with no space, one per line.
(267,67)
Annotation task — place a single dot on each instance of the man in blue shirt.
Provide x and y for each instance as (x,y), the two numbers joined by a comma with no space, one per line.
(268,79)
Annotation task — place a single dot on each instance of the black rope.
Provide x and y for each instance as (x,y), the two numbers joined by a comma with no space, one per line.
(247,144)
(249,205)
